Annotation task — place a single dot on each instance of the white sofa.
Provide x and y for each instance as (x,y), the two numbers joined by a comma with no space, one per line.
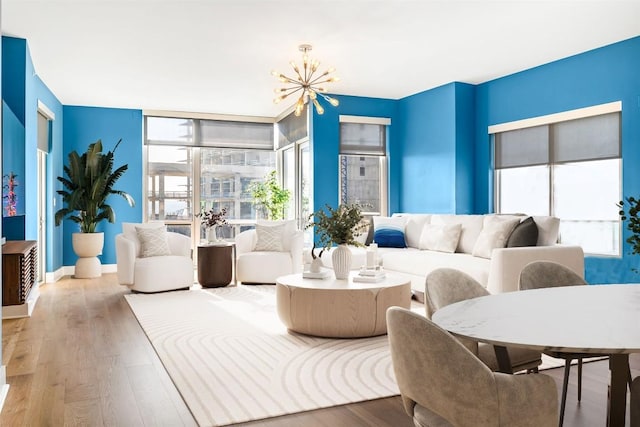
(498,273)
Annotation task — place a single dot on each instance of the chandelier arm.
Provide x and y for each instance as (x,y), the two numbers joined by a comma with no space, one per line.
(329,80)
(285,89)
(290,80)
(297,70)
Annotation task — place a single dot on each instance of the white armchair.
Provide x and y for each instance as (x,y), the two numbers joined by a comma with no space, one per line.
(153,273)
(278,253)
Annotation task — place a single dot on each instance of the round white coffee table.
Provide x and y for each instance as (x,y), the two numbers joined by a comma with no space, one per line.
(339,308)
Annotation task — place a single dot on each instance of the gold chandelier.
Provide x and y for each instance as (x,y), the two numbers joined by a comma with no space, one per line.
(306,81)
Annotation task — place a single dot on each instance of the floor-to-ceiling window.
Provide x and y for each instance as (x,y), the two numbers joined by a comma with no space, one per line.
(195,164)
(293,149)
(569,168)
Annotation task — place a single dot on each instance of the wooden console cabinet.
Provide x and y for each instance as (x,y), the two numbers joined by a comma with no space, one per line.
(19,264)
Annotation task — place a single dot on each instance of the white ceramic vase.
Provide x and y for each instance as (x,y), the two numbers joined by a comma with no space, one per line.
(87,246)
(341,258)
(212,234)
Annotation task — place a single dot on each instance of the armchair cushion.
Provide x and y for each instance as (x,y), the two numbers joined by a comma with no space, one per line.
(287,232)
(153,241)
(270,237)
(129,231)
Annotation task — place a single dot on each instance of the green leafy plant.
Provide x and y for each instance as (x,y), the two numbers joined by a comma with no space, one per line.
(633,224)
(337,226)
(270,197)
(88,183)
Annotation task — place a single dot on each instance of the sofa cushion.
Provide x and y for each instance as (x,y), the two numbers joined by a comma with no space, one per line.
(413,227)
(471,228)
(421,263)
(496,230)
(442,238)
(548,227)
(525,234)
(389,231)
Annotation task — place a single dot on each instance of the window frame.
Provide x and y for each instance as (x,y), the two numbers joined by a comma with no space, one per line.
(552,163)
(382,154)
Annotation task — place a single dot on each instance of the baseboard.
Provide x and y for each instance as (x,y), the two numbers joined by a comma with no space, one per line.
(22,310)
(4,387)
(70,270)
(52,277)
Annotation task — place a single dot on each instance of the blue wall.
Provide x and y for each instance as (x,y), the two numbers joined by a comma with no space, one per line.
(13,154)
(22,89)
(325,146)
(55,248)
(436,135)
(608,74)
(85,125)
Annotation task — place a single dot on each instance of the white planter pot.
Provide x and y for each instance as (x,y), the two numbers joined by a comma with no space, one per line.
(87,247)
(341,258)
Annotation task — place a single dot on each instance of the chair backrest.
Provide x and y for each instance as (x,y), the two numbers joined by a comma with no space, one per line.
(548,274)
(434,370)
(446,286)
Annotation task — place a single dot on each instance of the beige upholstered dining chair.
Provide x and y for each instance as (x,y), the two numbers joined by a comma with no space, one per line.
(446,286)
(634,404)
(547,274)
(443,384)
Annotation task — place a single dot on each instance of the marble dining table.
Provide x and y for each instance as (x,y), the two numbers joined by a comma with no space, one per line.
(593,319)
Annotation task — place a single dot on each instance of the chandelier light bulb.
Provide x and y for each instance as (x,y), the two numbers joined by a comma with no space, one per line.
(306,80)
(299,106)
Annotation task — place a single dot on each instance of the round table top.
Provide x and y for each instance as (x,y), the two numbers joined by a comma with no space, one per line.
(297,281)
(578,319)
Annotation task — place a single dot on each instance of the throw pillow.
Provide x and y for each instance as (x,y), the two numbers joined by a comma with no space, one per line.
(389,232)
(153,241)
(525,234)
(441,238)
(270,237)
(288,231)
(495,232)
(548,228)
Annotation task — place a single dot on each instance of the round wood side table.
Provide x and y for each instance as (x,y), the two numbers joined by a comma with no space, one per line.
(215,264)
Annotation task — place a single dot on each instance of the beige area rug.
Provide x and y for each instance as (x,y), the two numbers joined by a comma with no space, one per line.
(550,362)
(233,361)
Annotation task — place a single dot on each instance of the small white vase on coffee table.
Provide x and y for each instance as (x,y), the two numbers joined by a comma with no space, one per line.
(341,260)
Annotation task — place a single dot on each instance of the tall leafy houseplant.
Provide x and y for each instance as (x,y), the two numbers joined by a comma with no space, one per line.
(89,181)
(270,197)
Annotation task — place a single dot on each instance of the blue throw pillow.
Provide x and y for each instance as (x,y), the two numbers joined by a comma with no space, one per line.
(389,232)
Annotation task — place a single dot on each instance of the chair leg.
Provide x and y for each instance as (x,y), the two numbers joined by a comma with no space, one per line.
(565,384)
(579,379)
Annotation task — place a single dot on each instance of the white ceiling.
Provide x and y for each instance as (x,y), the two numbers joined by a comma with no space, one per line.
(216,56)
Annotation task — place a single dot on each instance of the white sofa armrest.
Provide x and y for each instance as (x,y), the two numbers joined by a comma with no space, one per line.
(245,241)
(507,263)
(125,259)
(179,244)
(297,243)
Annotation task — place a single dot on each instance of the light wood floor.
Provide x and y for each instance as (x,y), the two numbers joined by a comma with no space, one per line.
(82,359)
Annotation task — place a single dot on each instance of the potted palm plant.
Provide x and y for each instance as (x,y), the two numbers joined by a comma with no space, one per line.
(339,226)
(89,181)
